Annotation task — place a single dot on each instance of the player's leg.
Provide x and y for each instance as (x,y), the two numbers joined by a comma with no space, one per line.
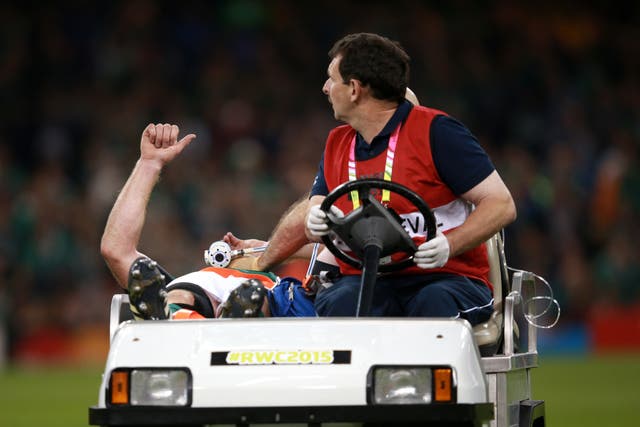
(190,301)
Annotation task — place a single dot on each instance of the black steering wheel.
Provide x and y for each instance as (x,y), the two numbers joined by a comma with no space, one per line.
(372,224)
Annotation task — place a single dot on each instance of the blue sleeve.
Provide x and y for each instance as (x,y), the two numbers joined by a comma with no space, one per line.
(459,159)
(319,187)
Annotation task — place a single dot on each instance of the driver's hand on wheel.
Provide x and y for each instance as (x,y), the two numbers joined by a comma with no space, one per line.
(317,220)
(433,253)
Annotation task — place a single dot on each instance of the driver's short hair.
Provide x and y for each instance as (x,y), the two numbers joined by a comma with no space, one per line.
(376,61)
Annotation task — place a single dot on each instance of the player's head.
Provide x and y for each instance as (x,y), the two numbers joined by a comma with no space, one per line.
(375,61)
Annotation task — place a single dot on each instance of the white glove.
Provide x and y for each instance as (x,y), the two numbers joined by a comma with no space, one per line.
(317,220)
(434,253)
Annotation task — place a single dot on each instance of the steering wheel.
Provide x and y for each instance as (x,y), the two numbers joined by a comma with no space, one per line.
(374,224)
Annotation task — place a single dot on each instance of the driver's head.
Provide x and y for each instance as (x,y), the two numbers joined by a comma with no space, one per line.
(375,61)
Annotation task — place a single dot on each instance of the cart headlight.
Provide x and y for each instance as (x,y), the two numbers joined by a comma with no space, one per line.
(410,385)
(150,387)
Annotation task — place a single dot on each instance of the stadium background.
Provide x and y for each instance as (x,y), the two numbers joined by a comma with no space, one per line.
(551,90)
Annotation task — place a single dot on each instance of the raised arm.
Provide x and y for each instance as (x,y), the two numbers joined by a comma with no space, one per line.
(159,145)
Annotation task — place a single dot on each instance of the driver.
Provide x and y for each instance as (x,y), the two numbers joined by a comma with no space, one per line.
(323,267)
(209,292)
(421,148)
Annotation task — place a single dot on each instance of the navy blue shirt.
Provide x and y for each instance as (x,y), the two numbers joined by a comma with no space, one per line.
(459,159)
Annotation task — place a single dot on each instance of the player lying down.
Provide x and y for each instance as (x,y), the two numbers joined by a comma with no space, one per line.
(206,293)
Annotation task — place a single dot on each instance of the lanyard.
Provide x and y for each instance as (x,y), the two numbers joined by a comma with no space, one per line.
(388,167)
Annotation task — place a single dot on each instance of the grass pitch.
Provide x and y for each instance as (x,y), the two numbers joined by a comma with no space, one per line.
(589,391)
(48,397)
(585,392)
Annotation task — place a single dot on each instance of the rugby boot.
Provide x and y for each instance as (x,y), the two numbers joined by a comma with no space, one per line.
(244,301)
(147,291)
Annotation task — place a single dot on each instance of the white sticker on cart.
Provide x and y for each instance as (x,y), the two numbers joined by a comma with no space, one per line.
(280,357)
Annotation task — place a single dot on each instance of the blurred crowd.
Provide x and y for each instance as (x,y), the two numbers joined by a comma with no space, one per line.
(552,93)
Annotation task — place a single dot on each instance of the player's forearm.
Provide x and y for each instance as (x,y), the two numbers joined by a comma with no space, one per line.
(287,238)
(126,220)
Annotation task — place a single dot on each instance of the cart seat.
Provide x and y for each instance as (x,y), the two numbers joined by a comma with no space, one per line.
(488,335)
